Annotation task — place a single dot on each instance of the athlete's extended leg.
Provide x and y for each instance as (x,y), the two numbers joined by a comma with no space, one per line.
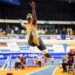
(42,47)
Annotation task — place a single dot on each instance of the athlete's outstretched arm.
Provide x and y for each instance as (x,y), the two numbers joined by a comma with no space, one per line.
(34,20)
(22,23)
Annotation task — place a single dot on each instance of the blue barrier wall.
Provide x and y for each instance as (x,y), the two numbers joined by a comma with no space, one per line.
(29,55)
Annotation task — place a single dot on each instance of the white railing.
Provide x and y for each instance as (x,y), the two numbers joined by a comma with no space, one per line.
(39,21)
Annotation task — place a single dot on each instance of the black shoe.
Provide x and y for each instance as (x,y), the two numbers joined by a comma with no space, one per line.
(47,56)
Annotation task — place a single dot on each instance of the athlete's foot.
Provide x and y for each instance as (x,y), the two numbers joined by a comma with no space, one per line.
(47,56)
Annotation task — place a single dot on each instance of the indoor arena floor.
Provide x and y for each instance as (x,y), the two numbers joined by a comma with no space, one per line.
(58,71)
(35,70)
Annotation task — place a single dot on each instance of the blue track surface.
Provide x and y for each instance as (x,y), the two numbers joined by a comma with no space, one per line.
(29,63)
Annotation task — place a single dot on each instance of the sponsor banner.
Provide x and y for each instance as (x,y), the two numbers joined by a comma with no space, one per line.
(29,55)
(58,37)
(22,44)
(4,37)
(3,44)
(58,49)
(14,37)
(45,37)
(13,46)
(4,47)
(22,37)
(25,47)
(4,50)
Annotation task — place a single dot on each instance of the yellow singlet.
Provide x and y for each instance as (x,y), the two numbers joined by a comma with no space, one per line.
(30,27)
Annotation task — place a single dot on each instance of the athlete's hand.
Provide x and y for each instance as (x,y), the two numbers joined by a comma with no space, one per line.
(20,20)
(22,23)
(38,44)
(32,4)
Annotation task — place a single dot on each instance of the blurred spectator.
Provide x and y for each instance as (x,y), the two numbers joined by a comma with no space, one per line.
(39,60)
(71,31)
(1,29)
(64,63)
(64,31)
(1,32)
(52,60)
(68,31)
(23,60)
(70,62)
(25,32)
(18,63)
(63,35)
(59,31)
(45,31)
(45,60)
(74,62)
(42,31)
(16,30)
(22,31)
(8,30)
(12,31)
(39,31)
(56,31)
(67,63)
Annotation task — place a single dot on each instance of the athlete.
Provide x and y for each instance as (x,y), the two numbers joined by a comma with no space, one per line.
(31,27)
